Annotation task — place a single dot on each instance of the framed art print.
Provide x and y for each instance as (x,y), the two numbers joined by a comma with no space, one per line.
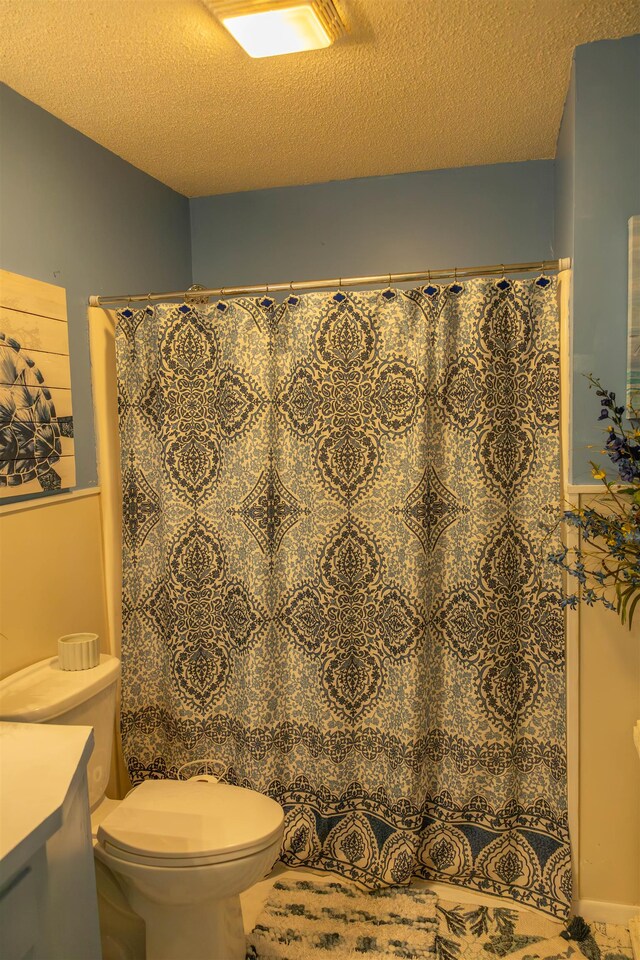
(36,423)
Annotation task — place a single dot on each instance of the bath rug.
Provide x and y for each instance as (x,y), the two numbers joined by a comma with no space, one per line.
(308,920)
(601,942)
(554,948)
(469,932)
(607,941)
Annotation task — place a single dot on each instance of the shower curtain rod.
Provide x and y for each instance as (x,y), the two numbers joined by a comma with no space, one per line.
(198,293)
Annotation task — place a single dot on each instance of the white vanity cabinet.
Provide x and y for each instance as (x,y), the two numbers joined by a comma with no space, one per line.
(48,903)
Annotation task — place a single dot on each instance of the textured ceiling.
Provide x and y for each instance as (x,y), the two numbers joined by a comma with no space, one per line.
(416,85)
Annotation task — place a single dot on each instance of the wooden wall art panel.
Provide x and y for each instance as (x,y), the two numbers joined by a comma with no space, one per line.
(36,422)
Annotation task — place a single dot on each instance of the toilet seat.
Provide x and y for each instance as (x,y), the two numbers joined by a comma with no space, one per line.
(171,823)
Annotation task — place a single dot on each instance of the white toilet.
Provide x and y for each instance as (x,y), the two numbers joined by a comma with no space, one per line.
(181,851)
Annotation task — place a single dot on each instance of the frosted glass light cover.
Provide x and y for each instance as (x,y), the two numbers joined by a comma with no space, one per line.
(274,32)
(79,651)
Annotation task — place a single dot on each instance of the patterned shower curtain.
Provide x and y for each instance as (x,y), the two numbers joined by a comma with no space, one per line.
(334,515)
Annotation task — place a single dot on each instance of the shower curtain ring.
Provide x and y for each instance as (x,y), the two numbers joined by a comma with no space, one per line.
(389,275)
(541,275)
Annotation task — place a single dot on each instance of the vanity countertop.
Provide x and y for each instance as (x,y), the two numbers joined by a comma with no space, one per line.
(39,765)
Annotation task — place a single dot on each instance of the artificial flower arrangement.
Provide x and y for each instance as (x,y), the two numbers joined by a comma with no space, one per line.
(606,564)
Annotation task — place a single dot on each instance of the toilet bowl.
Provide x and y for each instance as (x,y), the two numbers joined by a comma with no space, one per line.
(182,852)
(176,853)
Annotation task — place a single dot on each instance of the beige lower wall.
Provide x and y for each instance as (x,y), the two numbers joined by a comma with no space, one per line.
(609,766)
(51,576)
(52,582)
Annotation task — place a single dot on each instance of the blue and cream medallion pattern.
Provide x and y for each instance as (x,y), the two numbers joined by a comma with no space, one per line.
(333,518)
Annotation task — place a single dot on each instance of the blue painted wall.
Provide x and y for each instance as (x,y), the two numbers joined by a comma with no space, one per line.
(76,215)
(409,222)
(599,180)
(85,219)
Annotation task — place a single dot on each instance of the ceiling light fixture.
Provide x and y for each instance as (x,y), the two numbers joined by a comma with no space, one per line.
(269,28)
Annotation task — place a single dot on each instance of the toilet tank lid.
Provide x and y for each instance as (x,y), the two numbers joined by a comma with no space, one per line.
(43,691)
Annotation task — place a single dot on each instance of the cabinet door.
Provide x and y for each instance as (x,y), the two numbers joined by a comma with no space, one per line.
(20,914)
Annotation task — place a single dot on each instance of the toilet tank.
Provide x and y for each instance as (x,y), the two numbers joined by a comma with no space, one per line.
(43,693)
